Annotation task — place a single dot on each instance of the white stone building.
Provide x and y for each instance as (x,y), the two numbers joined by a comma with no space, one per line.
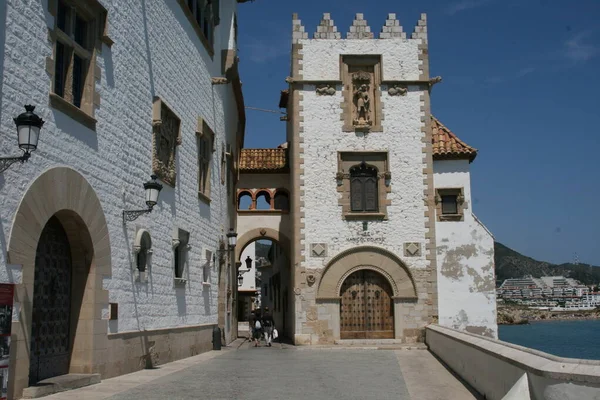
(380,234)
(127,89)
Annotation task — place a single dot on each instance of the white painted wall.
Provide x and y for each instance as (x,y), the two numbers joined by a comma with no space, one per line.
(249,282)
(323,138)
(156,52)
(465,260)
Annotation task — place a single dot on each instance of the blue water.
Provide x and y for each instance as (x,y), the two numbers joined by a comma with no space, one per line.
(574,339)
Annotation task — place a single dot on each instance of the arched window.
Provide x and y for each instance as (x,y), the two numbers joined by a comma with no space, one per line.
(282,201)
(263,201)
(363,188)
(244,201)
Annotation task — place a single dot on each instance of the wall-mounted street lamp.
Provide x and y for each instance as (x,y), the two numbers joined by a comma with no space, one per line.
(240,280)
(231,238)
(28,133)
(240,277)
(153,189)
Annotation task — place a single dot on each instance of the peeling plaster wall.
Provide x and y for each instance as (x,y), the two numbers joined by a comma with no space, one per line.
(465,259)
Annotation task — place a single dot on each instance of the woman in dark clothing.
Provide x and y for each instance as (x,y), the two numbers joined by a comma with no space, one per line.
(256,327)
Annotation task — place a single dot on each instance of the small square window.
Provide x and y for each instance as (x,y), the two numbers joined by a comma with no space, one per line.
(449,205)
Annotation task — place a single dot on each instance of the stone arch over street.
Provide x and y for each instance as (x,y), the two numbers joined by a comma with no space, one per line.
(265,278)
(61,200)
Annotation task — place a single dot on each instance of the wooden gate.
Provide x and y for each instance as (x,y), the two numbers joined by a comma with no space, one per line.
(367,309)
(51,315)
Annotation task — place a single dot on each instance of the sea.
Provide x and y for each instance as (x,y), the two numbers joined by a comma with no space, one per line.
(573,339)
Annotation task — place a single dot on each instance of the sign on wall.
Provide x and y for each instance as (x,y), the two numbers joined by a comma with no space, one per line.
(6,309)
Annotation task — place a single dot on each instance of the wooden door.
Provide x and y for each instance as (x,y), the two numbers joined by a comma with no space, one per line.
(367,310)
(51,313)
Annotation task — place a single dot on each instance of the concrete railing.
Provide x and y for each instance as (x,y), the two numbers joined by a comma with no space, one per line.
(500,370)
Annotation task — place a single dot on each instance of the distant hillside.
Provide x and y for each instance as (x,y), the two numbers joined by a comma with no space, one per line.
(511,264)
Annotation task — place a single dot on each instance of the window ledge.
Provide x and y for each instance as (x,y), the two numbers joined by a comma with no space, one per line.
(263,211)
(204,197)
(70,110)
(206,284)
(365,215)
(450,217)
(179,281)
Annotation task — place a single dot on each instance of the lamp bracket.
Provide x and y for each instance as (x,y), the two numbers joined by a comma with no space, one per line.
(132,215)
(6,162)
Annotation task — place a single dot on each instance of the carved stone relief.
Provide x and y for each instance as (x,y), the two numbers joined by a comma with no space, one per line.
(318,250)
(412,249)
(397,90)
(362,95)
(325,90)
(166,138)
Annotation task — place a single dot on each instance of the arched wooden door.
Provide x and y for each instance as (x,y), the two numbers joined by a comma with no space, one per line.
(51,315)
(367,309)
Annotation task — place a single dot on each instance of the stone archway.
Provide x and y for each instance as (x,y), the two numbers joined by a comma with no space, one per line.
(259,234)
(375,266)
(369,257)
(63,193)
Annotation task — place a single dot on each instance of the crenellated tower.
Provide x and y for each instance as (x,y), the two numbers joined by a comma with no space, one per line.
(364,204)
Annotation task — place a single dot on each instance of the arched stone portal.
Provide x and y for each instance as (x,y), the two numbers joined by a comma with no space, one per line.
(365,282)
(62,193)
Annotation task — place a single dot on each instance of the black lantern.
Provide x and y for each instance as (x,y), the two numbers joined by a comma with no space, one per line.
(231,238)
(152,189)
(248,262)
(240,279)
(29,125)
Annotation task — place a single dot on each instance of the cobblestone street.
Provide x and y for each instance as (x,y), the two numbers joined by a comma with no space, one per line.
(286,372)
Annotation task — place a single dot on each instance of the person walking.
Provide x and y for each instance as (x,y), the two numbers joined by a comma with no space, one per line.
(268,325)
(256,326)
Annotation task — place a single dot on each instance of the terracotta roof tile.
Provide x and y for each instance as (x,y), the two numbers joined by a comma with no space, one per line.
(446,145)
(264,160)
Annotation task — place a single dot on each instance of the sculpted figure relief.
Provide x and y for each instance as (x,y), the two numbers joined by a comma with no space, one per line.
(362,98)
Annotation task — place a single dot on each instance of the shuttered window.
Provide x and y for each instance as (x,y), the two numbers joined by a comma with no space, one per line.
(363,188)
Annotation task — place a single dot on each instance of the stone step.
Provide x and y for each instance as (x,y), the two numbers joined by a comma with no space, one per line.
(60,384)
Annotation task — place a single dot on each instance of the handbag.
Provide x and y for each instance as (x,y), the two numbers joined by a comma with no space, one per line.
(275,333)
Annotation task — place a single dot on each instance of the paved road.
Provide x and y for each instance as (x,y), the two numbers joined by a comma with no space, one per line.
(285,372)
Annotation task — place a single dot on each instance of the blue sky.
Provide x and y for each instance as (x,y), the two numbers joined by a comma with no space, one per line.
(520,83)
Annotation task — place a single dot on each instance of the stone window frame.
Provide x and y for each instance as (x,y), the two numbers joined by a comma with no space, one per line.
(223,169)
(142,245)
(180,245)
(96,17)
(370,60)
(166,173)
(377,159)
(460,203)
(207,42)
(205,133)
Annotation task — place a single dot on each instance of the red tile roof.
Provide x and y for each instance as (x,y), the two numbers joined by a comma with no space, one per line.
(446,145)
(264,160)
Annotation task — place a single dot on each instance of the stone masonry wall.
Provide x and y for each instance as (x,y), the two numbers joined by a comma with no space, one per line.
(156,52)
(321,138)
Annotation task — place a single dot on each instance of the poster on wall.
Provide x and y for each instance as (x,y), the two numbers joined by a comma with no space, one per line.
(6,309)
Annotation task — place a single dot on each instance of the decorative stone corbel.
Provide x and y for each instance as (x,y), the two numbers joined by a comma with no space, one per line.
(460,199)
(311,279)
(136,249)
(325,89)
(175,243)
(438,199)
(219,80)
(387,178)
(434,80)
(290,80)
(339,178)
(397,90)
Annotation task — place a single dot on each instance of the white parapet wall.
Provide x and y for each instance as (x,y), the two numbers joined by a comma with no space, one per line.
(500,370)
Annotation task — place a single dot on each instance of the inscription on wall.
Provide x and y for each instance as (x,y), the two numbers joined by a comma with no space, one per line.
(366,237)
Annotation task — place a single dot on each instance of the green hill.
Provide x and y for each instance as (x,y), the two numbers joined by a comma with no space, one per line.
(512,264)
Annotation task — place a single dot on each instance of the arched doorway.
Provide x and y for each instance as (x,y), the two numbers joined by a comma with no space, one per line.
(51,314)
(367,309)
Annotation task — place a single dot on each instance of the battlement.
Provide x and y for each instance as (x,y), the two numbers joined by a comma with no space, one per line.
(360,29)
